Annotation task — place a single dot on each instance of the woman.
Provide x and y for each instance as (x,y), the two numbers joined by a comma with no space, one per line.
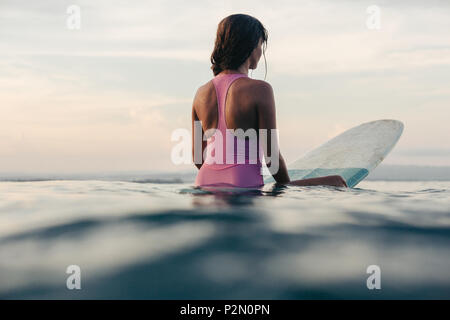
(232,101)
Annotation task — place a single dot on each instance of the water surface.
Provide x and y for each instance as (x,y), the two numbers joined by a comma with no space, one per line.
(158,240)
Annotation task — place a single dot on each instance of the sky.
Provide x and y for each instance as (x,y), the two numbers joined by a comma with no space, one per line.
(107,96)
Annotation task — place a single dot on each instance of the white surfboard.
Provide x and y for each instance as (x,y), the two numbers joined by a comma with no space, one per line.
(352,154)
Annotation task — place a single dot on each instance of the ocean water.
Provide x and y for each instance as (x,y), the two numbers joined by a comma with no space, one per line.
(159,240)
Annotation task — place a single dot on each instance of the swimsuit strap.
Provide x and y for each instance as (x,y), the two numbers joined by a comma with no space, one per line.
(222,83)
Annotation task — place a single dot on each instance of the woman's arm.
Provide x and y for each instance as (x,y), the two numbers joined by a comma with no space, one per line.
(267,120)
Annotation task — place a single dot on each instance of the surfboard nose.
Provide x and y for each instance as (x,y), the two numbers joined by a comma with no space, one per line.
(351,154)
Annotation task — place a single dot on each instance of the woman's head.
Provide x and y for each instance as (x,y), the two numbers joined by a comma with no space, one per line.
(239,37)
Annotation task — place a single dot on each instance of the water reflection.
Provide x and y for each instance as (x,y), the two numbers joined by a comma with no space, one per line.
(232,197)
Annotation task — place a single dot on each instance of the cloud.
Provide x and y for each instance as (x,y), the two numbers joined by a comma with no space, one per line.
(73,100)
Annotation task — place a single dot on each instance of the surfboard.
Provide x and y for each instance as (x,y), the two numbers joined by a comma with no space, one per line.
(352,154)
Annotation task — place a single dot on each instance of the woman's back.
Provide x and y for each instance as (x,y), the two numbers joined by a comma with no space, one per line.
(228,106)
(241,105)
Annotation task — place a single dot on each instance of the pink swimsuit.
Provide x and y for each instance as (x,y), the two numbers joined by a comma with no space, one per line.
(226,170)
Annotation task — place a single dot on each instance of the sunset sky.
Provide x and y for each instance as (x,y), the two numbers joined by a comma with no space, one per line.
(109,95)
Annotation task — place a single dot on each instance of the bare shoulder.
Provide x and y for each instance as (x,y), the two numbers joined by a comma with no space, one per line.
(204,92)
(263,92)
(255,84)
(253,90)
(262,85)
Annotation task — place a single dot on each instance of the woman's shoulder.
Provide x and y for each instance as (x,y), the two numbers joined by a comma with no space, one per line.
(205,91)
(261,90)
(261,86)
(254,83)
(257,89)
(254,87)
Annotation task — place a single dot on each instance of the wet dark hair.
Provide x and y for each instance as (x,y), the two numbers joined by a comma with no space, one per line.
(237,36)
